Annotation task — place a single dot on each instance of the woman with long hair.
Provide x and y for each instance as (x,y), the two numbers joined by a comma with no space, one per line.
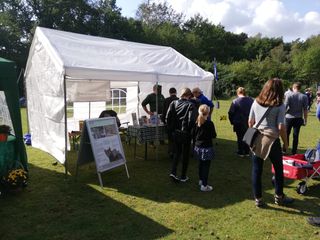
(268,143)
(204,131)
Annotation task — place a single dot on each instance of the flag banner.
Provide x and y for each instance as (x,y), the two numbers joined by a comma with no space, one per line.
(215,72)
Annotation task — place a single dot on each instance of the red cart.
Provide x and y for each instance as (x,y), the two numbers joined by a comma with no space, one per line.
(296,167)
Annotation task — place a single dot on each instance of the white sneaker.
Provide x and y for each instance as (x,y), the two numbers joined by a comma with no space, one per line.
(207,188)
(200,182)
(185,179)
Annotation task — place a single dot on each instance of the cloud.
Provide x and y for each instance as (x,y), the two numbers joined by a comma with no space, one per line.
(271,18)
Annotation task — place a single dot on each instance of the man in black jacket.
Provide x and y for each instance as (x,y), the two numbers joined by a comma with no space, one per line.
(166,104)
(181,118)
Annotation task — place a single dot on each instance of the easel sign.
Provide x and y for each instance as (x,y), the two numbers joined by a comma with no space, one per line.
(105,145)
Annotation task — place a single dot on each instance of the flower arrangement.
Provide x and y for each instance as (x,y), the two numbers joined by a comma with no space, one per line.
(16,178)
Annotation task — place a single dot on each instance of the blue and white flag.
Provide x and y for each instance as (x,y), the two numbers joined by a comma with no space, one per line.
(215,72)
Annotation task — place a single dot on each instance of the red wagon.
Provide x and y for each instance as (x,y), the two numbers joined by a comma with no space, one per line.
(296,167)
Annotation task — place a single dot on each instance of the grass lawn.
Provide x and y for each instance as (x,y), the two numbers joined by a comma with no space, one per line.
(149,206)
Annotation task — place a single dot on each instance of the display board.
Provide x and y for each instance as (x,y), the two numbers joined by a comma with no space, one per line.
(100,142)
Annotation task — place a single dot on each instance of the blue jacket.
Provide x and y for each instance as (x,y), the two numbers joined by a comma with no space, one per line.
(239,110)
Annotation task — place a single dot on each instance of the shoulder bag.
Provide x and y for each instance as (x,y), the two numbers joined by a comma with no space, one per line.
(252,132)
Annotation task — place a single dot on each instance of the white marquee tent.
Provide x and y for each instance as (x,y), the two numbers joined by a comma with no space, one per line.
(68,67)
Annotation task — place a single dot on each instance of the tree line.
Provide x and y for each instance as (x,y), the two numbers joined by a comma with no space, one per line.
(241,60)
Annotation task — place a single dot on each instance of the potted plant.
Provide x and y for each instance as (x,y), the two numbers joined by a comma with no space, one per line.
(14,180)
(4,132)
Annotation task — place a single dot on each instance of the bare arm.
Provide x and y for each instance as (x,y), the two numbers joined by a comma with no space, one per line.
(146,110)
(305,115)
(283,135)
(251,122)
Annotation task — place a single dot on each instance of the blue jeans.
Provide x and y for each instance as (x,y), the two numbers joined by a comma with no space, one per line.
(275,156)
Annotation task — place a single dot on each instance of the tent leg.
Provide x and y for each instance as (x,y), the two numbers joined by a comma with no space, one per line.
(65,128)
(127,170)
(100,180)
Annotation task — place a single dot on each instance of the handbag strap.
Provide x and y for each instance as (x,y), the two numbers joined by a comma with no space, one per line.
(263,117)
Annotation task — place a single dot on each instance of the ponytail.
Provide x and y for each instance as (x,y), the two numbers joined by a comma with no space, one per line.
(203,114)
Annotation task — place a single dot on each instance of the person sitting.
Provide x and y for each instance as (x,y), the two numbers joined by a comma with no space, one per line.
(110,113)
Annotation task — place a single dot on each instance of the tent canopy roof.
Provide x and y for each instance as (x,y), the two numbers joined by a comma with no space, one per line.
(97,58)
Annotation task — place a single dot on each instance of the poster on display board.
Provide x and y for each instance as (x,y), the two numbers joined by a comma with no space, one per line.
(100,141)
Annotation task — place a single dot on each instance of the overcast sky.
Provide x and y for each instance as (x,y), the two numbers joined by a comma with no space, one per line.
(290,19)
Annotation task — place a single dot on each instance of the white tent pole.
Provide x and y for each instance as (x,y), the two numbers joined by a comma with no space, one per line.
(89,110)
(27,109)
(157,114)
(138,92)
(65,125)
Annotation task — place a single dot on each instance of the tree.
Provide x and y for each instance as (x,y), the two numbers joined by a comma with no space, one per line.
(258,46)
(154,14)
(15,28)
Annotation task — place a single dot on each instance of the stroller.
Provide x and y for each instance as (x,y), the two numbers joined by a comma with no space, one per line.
(300,167)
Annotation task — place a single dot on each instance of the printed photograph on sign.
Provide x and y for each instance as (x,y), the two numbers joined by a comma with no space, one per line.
(105,142)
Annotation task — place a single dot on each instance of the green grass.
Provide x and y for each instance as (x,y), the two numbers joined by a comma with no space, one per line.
(149,206)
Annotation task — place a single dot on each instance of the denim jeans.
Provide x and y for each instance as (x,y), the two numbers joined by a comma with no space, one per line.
(296,124)
(275,156)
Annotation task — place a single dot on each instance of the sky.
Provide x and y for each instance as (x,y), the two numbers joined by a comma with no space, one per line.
(290,19)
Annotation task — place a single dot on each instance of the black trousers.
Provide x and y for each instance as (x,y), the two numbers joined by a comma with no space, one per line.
(182,149)
(296,124)
(275,156)
(204,167)
(240,130)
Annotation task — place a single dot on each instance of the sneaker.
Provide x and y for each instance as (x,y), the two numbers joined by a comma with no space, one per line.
(258,203)
(184,179)
(314,221)
(207,188)
(241,154)
(200,182)
(174,177)
(283,200)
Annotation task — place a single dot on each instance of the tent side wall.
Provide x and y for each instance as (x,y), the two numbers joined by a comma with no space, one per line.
(46,103)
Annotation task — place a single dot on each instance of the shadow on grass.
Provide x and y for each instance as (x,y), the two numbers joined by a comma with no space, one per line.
(230,176)
(54,206)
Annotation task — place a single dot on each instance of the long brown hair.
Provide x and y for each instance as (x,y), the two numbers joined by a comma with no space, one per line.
(271,94)
(203,111)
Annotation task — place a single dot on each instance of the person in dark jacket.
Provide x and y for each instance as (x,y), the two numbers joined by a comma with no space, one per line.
(238,116)
(166,104)
(180,119)
(167,101)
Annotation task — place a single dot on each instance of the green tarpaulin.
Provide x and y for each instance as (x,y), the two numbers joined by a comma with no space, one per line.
(8,84)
